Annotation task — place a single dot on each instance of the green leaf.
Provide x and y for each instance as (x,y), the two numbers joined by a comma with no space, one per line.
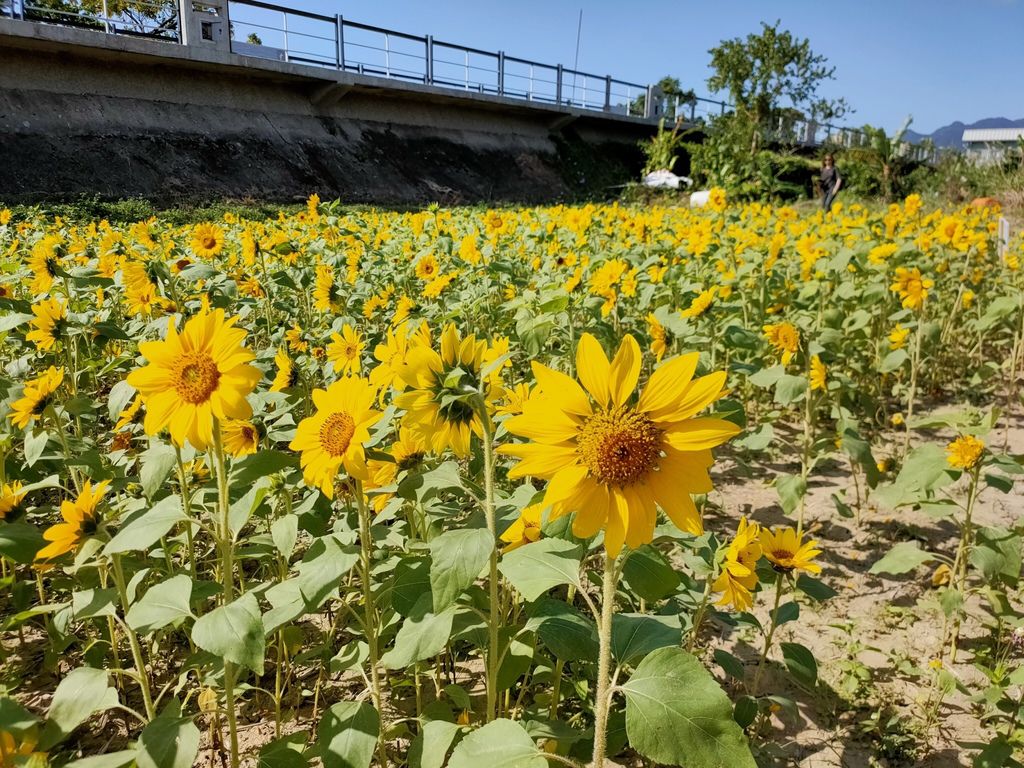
(82,693)
(893,361)
(904,557)
(430,748)
(634,635)
(565,631)
(233,632)
(411,582)
(284,531)
(144,528)
(732,666)
(323,567)
(109,760)
(91,603)
(169,741)
(676,714)
(792,489)
(14,718)
(162,604)
(457,559)
(20,541)
(11,320)
(422,635)
(994,755)
(789,389)
(649,574)
(800,663)
(745,711)
(423,486)
(347,734)
(535,568)
(246,471)
(499,744)
(814,588)
(157,462)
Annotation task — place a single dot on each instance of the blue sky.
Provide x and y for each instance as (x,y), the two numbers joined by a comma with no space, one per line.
(939,61)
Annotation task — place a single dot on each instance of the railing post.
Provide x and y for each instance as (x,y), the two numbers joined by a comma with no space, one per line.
(723,107)
(607,93)
(428,59)
(558,85)
(649,102)
(339,37)
(501,73)
(284,26)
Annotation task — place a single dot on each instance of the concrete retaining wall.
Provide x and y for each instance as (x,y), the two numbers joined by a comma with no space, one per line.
(87,113)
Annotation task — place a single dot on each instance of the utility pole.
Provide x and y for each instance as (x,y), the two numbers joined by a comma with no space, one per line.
(576,61)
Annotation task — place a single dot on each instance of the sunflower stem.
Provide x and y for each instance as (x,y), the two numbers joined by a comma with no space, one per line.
(768,638)
(602,697)
(227,582)
(493,650)
(133,640)
(370,614)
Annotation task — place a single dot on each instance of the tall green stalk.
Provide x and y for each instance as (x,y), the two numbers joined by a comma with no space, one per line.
(227,579)
(370,612)
(603,694)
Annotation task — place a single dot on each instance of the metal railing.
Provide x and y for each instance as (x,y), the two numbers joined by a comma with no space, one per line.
(271,31)
(266,30)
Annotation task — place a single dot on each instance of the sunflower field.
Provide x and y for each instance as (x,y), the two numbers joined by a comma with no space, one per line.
(598,485)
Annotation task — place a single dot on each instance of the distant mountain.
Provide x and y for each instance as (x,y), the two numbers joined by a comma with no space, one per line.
(951,135)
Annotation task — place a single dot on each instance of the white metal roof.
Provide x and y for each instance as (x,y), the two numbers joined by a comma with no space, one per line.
(994,135)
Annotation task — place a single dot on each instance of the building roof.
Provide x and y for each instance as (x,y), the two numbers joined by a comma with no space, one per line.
(994,135)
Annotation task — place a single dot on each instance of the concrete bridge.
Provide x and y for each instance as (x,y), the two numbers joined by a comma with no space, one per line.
(173,105)
(83,111)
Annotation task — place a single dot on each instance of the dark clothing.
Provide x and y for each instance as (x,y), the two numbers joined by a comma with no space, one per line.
(830,179)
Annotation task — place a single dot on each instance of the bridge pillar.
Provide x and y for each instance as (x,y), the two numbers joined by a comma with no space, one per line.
(205,23)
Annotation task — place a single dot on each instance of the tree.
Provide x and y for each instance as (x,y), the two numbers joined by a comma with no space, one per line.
(767,71)
(887,156)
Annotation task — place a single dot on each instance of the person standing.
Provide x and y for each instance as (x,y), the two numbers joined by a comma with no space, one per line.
(831,182)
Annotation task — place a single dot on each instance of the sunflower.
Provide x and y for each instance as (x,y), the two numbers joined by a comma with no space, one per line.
(128,416)
(525,530)
(81,520)
(964,452)
(717,199)
(784,338)
(295,340)
(611,459)
(194,376)
(334,436)
(20,750)
(36,397)
(241,438)
(207,240)
(427,267)
(739,577)
(898,337)
(787,551)
(50,318)
(345,350)
(513,400)
(325,292)
(287,375)
(701,303)
(45,263)
(659,337)
(392,355)
(819,374)
(407,453)
(911,286)
(440,384)
(11,496)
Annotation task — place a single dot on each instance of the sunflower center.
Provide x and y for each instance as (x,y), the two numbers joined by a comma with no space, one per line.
(197,377)
(619,447)
(336,433)
(209,243)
